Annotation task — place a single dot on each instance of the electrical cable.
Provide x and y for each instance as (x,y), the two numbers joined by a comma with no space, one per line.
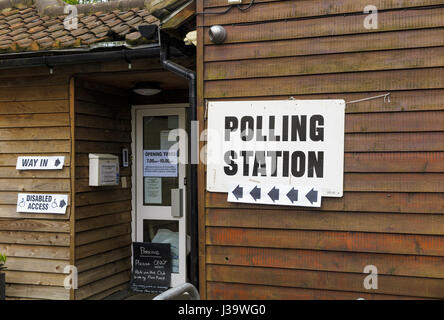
(228,9)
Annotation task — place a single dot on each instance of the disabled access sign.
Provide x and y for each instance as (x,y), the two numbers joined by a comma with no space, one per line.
(42,203)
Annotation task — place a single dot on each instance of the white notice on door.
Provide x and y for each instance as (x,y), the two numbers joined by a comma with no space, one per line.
(159,163)
(42,203)
(152,190)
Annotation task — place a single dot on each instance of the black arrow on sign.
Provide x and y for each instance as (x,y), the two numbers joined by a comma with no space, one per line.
(256,193)
(57,162)
(292,195)
(312,196)
(238,192)
(274,194)
(62,203)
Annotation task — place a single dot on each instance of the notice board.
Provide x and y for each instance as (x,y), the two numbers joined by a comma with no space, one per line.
(151,267)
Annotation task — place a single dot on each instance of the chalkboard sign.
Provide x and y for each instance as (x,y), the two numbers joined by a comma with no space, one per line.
(151,267)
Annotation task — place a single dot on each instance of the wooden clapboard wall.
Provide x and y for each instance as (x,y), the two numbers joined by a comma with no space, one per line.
(34,120)
(392,211)
(103,214)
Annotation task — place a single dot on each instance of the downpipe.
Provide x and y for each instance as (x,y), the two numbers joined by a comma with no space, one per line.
(192,96)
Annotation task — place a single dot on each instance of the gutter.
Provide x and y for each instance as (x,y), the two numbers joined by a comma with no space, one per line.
(22,60)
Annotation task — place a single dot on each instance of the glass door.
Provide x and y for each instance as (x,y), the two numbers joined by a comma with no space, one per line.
(160,183)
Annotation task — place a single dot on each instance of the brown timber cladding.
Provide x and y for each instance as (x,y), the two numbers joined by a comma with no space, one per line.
(103,214)
(34,120)
(392,212)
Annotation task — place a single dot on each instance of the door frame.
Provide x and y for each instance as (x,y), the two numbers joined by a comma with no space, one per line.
(134,109)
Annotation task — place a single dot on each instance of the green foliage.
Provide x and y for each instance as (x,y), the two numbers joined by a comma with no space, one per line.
(73,2)
(2,262)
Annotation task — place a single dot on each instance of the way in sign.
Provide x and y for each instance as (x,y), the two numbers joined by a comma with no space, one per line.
(285,195)
(40,163)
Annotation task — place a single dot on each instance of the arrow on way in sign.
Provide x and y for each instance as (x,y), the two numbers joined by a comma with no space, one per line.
(57,162)
(256,193)
(238,192)
(293,195)
(312,196)
(274,194)
(62,203)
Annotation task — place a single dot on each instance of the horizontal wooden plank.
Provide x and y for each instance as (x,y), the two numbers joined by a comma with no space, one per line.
(104,271)
(387,264)
(282,10)
(327,83)
(102,295)
(82,185)
(12,172)
(33,185)
(326,45)
(102,246)
(34,120)
(103,221)
(87,121)
(29,251)
(102,285)
(393,142)
(101,147)
(25,107)
(34,225)
(329,221)
(37,265)
(37,278)
(222,3)
(432,203)
(331,26)
(103,196)
(36,291)
(86,237)
(85,212)
(395,122)
(59,133)
(394,162)
(38,92)
(8,198)
(92,134)
(238,291)
(10,160)
(10,211)
(102,258)
(36,238)
(324,64)
(411,100)
(408,286)
(40,147)
(327,240)
(104,98)
(30,80)
(394,182)
(100,110)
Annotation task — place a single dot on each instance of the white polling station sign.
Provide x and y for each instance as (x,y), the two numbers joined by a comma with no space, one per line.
(42,203)
(298,143)
(40,163)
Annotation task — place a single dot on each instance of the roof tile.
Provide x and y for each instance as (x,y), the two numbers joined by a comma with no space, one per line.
(36,29)
(25,29)
(17,31)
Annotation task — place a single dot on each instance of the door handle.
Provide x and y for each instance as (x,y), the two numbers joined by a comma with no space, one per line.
(177,203)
